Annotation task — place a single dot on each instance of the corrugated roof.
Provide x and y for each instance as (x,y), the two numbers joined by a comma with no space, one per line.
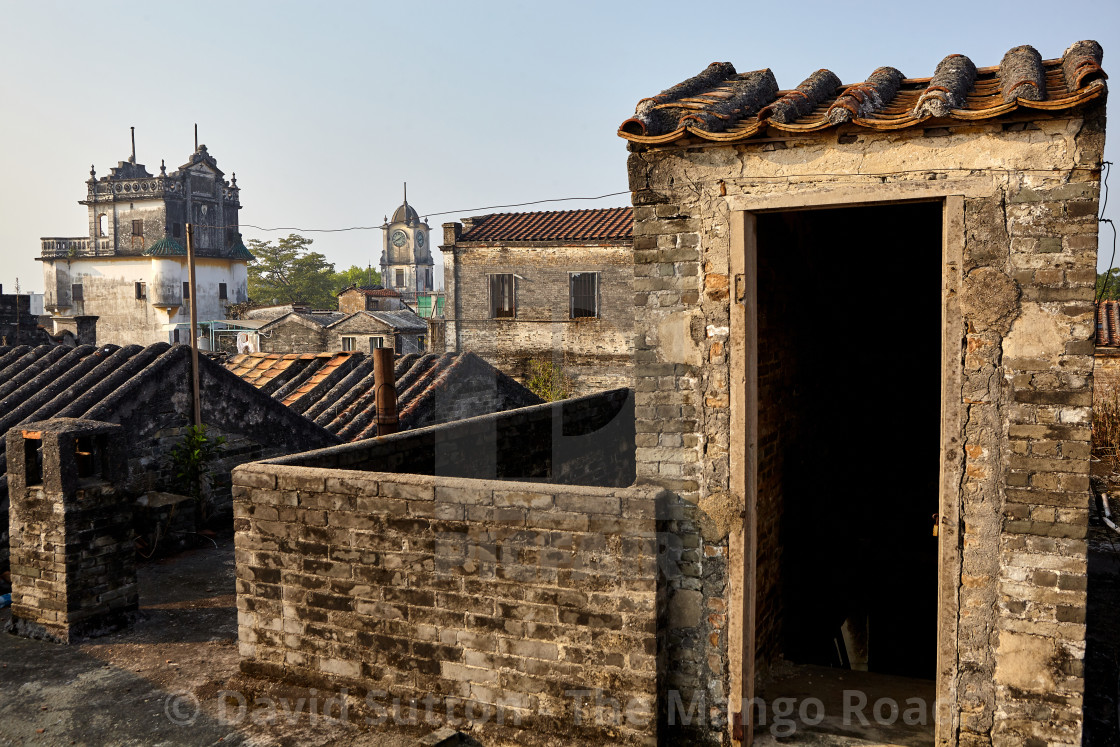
(558,225)
(724,106)
(1108,324)
(336,390)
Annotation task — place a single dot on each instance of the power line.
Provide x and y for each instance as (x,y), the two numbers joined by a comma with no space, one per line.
(443,212)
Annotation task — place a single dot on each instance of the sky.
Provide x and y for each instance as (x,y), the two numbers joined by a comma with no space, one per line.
(325,109)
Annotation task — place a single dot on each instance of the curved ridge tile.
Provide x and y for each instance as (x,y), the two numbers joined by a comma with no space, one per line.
(1021,75)
(866,98)
(951,82)
(737,99)
(801,101)
(648,120)
(1081,64)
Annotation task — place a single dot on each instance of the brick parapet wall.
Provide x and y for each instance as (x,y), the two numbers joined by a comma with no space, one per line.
(524,600)
(1026,363)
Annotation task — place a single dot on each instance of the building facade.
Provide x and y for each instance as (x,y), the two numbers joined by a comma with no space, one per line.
(812,515)
(131,272)
(406,258)
(551,286)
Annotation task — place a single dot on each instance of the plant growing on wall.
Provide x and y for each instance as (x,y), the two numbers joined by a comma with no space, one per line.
(191,459)
(548,381)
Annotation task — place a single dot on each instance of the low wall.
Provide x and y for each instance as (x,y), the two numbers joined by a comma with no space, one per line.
(524,613)
(582,441)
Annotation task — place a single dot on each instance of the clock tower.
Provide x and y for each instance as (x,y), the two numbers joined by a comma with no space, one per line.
(406,260)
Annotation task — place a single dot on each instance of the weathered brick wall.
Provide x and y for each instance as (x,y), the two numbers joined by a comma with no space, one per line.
(582,441)
(595,352)
(524,604)
(1027,273)
(72,555)
(293,337)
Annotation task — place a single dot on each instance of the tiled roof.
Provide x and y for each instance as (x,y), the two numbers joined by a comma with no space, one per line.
(558,225)
(336,390)
(375,290)
(1108,324)
(109,382)
(166,247)
(722,105)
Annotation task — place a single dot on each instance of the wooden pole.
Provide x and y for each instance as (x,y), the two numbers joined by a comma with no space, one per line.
(194,324)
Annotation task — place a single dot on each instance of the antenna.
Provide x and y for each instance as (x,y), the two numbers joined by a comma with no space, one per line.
(133,131)
(406,193)
(196,136)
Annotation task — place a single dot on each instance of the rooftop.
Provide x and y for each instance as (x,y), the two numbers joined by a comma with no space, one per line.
(722,105)
(336,390)
(558,225)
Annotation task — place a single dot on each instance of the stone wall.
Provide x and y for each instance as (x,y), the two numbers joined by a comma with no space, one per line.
(1020,205)
(294,336)
(595,352)
(523,613)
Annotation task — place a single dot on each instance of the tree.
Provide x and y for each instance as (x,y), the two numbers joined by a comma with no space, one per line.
(290,273)
(1108,284)
(548,381)
(356,276)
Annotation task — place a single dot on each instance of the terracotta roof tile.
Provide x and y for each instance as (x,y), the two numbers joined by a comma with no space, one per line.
(722,105)
(1108,324)
(336,390)
(558,225)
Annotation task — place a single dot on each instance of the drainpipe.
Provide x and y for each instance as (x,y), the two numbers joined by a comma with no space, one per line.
(385,386)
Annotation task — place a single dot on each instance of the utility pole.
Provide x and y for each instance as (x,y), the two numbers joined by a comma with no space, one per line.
(194,323)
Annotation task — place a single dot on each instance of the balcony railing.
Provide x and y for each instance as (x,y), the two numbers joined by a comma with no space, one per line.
(81,246)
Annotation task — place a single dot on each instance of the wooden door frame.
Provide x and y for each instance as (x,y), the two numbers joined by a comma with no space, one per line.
(743,354)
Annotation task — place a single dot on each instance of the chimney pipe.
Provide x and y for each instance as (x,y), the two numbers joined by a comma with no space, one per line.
(385,386)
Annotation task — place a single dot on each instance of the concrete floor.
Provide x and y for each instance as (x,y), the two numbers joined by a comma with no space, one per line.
(159,682)
(810,705)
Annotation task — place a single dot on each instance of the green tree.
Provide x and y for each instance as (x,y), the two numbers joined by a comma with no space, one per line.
(289,272)
(1108,284)
(356,276)
(548,381)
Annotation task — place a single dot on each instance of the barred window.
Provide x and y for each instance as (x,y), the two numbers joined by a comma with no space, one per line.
(137,228)
(502,296)
(141,291)
(583,294)
(186,290)
(375,343)
(348,344)
(222,292)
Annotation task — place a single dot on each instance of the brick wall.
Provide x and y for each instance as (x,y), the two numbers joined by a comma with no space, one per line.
(532,604)
(294,337)
(1024,285)
(595,352)
(72,557)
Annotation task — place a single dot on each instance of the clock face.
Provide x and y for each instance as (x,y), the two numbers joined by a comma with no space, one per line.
(399,238)
(420,239)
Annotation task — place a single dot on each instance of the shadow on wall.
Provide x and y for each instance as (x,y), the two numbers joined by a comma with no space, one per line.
(581,441)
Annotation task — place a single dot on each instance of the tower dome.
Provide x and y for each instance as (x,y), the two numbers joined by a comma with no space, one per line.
(405,214)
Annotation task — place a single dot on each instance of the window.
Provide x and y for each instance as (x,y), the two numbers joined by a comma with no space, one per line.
(76,292)
(502,296)
(175,336)
(186,290)
(348,343)
(398,346)
(222,292)
(583,294)
(400,278)
(375,343)
(421,343)
(137,228)
(141,291)
(176,229)
(103,224)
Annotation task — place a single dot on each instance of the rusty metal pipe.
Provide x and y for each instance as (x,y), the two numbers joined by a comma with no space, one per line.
(385,386)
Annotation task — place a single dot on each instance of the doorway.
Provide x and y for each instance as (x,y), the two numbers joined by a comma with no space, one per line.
(848,311)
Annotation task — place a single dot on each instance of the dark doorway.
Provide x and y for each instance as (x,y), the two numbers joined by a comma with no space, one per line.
(849,371)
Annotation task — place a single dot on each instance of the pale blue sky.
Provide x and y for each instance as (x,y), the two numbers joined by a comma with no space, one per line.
(323,110)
